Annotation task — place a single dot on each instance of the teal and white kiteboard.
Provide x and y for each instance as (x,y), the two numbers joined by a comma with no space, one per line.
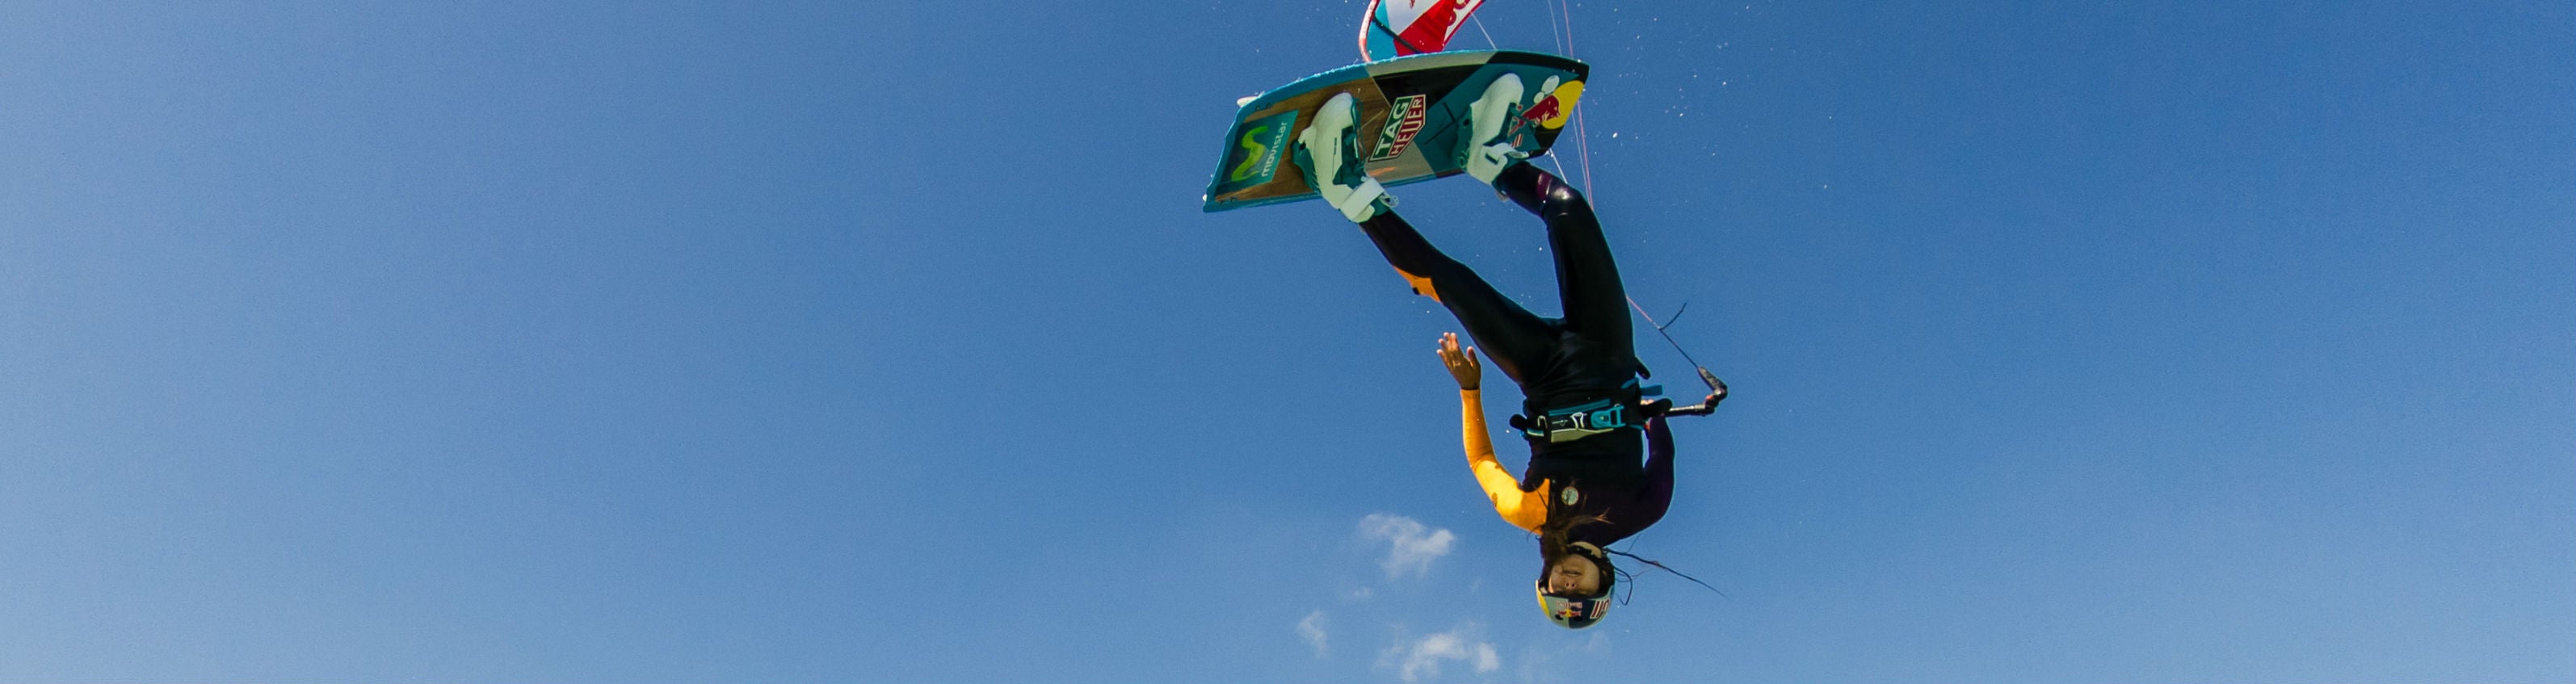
(1410,110)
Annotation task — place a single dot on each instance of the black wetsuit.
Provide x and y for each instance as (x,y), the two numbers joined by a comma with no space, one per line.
(1585,355)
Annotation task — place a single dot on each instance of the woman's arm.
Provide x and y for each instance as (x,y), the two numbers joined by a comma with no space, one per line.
(1658,494)
(1526,510)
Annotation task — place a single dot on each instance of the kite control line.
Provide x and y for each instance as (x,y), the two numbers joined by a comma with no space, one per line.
(1716,389)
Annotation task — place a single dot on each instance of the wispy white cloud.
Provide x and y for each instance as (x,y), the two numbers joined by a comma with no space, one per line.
(1413,545)
(1312,630)
(1424,657)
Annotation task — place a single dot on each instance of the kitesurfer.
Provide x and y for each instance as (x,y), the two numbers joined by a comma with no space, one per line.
(1585,418)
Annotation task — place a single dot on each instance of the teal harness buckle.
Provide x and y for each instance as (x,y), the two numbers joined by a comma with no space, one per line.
(1587,419)
(1569,424)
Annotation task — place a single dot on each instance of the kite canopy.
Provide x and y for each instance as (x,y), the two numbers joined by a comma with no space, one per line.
(1396,28)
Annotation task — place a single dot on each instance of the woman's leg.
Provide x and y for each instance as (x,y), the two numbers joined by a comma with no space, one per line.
(1587,281)
(1518,341)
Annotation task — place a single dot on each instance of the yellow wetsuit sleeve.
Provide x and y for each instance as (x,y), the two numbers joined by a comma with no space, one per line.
(1526,510)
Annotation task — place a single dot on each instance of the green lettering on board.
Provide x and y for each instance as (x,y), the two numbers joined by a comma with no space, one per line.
(1253,152)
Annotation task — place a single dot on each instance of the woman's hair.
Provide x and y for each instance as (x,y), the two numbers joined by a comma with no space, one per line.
(1555,543)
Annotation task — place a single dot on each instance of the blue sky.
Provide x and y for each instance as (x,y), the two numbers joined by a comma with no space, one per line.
(2197,341)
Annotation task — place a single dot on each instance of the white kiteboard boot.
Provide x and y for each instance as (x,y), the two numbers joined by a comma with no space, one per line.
(1328,153)
(1482,151)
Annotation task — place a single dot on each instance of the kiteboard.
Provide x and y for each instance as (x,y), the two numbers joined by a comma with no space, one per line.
(1411,109)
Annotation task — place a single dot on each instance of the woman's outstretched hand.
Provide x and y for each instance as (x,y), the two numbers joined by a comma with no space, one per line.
(1461,362)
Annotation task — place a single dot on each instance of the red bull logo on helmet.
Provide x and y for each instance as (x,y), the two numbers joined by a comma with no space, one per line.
(1566,608)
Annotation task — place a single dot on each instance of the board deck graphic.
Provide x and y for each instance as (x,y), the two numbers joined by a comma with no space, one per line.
(1410,109)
